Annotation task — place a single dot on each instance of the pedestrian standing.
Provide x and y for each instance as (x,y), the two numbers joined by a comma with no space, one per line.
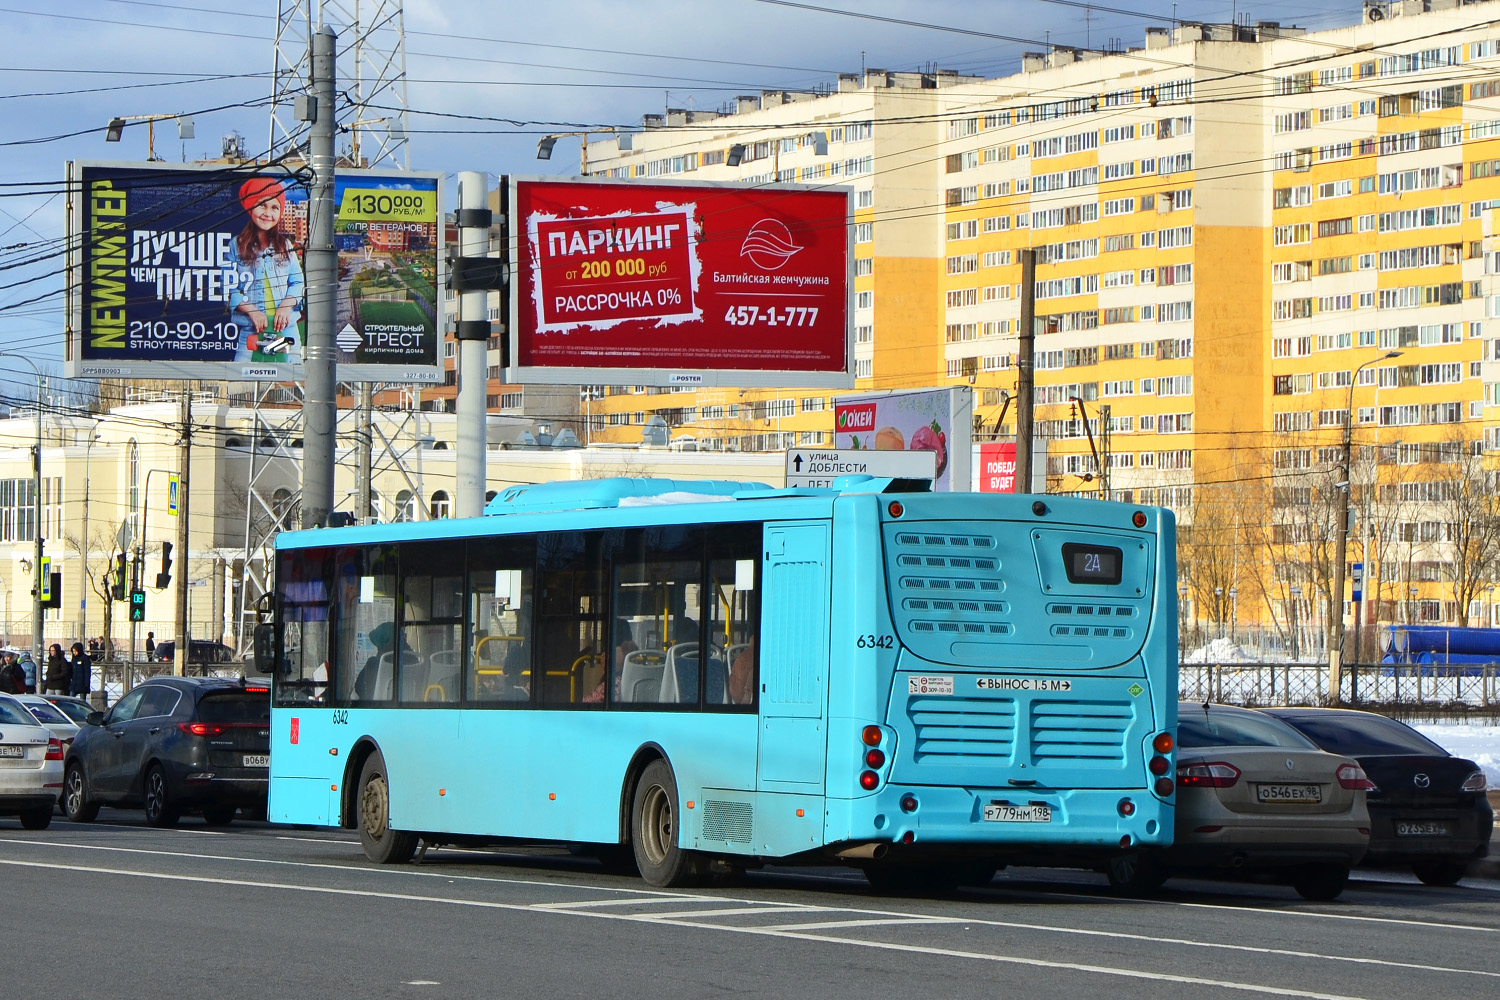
(10,676)
(28,667)
(150,645)
(59,671)
(81,680)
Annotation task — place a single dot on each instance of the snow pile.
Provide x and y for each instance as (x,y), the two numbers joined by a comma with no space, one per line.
(1221,650)
(1481,744)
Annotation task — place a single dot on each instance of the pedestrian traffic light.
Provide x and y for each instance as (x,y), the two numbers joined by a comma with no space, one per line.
(117,588)
(54,592)
(137,605)
(164,578)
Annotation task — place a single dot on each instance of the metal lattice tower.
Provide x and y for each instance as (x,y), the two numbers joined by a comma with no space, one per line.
(372,73)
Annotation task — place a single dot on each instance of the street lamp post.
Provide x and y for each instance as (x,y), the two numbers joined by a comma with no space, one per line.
(116,128)
(36,518)
(1219,608)
(545,143)
(1341,546)
(83,545)
(1234,611)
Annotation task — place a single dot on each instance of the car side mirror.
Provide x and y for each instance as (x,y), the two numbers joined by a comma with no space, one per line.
(94,719)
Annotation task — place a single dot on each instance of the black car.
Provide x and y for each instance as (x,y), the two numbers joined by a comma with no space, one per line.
(174,745)
(1429,810)
(200,651)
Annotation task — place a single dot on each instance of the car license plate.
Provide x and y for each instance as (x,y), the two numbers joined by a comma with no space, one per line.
(1421,828)
(257,760)
(12,751)
(998,813)
(1288,793)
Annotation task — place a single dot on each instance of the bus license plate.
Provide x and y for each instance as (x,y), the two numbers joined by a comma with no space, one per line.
(1288,793)
(12,751)
(1421,828)
(257,760)
(994,813)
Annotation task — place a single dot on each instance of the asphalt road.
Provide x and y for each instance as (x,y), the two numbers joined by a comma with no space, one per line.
(116,909)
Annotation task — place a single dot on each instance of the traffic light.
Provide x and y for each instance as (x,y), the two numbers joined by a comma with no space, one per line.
(117,588)
(164,578)
(54,593)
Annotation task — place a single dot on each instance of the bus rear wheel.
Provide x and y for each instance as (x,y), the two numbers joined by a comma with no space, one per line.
(654,830)
(382,845)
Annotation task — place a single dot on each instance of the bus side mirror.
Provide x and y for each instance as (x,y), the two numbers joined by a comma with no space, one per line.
(265,649)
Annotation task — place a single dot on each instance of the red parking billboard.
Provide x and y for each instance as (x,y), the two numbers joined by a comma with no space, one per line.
(679,284)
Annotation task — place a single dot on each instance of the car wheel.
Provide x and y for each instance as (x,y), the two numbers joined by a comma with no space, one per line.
(1320,882)
(159,809)
(37,819)
(218,815)
(1440,871)
(1136,873)
(654,828)
(382,845)
(76,802)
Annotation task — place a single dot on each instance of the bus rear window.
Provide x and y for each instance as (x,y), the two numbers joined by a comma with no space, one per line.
(234,706)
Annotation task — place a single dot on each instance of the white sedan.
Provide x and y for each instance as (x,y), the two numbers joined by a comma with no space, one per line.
(31,762)
(49,715)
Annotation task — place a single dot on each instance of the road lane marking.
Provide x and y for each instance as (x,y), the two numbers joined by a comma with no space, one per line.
(649,896)
(732,911)
(894,921)
(1048,964)
(579,904)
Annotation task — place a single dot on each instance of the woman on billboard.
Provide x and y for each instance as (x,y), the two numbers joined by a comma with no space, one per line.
(266,305)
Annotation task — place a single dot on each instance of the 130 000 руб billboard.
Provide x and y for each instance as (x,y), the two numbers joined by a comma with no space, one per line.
(680,284)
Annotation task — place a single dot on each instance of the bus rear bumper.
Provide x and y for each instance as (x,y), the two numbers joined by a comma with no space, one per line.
(1088,818)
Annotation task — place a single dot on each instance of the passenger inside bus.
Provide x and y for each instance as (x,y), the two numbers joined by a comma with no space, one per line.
(624,638)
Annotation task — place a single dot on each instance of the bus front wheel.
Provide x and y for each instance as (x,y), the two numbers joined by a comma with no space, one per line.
(654,830)
(382,845)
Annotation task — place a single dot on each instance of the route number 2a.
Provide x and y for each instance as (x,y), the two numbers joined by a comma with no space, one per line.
(876,642)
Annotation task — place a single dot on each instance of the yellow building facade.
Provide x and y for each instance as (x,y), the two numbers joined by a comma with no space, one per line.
(1245,236)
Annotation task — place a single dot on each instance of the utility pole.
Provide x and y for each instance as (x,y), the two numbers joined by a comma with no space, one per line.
(364,452)
(185,463)
(1026,376)
(320,412)
(1104,411)
(472,331)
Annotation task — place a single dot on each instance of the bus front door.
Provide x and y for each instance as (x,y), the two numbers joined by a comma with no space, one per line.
(794,658)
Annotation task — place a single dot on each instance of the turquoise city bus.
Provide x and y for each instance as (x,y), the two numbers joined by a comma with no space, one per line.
(694,676)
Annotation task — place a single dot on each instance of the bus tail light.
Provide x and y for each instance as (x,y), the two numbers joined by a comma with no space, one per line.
(1126,807)
(1164,787)
(871,736)
(1214,775)
(908,803)
(1353,776)
(1163,743)
(875,758)
(1159,766)
(869,780)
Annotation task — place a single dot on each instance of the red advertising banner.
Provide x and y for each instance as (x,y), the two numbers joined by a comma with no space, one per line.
(997,467)
(679,284)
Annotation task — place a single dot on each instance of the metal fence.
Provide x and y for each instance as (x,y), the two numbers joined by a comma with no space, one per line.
(1466,689)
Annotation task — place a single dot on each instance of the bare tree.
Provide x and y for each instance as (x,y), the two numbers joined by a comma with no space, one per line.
(1466,506)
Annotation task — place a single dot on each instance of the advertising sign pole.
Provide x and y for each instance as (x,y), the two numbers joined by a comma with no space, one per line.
(1025,377)
(472,332)
(322,292)
(184,640)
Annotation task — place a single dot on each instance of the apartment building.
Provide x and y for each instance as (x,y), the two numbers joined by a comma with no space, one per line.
(1246,235)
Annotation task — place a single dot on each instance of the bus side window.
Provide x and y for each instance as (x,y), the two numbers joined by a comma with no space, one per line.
(366,628)
(428,659)
(733,615)
(569,637)
(498,646)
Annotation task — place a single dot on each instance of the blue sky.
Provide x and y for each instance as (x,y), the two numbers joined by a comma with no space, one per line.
(70,67)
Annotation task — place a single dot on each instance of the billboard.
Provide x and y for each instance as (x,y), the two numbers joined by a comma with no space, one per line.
(938,420)
(680,284)
(997,467)
(197,272)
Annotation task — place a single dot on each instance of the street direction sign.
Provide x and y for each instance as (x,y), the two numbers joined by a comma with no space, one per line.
(821,466)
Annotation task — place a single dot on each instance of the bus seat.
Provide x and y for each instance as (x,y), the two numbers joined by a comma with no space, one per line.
(680,680)
(640,676)
(385,675)
(716,683)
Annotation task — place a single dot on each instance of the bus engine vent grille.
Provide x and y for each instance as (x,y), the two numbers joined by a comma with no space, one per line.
(963,730)
(727,821)
(1072,732)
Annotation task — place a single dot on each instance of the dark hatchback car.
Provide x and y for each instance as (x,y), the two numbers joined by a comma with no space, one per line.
(1429,811)
(200,651)
(174,745)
